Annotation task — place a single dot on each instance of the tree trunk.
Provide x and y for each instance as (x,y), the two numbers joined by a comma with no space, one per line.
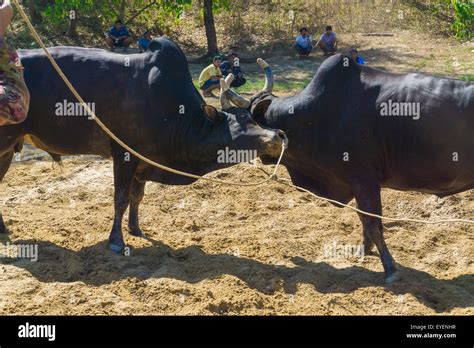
(210,29)
(72,30)
(122,9)
(35,14)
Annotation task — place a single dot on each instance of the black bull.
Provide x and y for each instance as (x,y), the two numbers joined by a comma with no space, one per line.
(355,129)
(149,101)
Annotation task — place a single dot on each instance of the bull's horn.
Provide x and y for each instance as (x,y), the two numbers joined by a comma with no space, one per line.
(234,97)
(225,102)
(229,79)
(268,75)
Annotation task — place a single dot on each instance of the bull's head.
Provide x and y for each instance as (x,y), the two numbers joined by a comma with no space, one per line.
(195,144)
(242,131)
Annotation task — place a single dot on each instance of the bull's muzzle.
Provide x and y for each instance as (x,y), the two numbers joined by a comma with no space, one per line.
(273,145)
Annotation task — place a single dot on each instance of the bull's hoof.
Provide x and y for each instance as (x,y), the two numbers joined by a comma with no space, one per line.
(370,253)
(392,278)
(137,232)
(117,248)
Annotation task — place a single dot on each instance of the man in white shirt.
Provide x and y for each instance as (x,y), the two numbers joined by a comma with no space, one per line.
(304,43)
(328,41)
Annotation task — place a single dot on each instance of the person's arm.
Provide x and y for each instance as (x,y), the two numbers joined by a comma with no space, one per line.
(237,71)
(125,34)
(111,34)
(217,76)
(319,41)
(204,76)
(295,43)
(225,68)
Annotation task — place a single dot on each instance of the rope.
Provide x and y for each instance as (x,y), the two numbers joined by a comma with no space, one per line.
(174,171)
(112,135)
(287,182)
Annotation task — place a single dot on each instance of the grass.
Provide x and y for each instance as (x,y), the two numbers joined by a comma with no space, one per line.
(467,77)
(256,83)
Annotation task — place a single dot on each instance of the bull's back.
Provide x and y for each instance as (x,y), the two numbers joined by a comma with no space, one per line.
(431,148)
(55,118)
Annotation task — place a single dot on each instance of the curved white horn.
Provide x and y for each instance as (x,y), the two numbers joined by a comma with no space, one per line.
(229,79)
(268,75)
(225,102)
(234,97)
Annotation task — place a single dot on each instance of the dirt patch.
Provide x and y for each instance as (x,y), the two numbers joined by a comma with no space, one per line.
(223,250)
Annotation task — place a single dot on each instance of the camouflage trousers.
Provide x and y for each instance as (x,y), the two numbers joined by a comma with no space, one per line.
(14,95)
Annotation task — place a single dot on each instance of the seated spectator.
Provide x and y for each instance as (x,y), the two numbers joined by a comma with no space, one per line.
(304,43)
(356,57)
(144,41)
(210,77)
(118,36)
(328,41)
(232,65)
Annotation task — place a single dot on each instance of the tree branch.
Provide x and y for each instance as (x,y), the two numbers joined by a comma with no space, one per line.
(141,11)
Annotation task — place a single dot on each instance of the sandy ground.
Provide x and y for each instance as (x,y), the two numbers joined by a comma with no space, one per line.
(223,250)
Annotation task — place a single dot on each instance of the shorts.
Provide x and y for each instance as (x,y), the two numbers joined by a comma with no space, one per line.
(238,82)
(304,50)
(119,43)
(14,95)
(209,83)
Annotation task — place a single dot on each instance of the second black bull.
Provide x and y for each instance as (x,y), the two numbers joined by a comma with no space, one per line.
(355,129)
(149,101)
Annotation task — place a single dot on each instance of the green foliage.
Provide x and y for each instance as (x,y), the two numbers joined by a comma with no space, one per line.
(108,10)
(463,18)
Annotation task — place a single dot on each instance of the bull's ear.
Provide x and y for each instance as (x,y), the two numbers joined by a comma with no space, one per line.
(154,45)
(210,112)
(259,109)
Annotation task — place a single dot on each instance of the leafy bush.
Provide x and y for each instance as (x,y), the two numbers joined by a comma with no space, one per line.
(463,22)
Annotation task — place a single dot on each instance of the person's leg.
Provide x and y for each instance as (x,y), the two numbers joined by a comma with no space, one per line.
(13,91)
(322,46)
(209,86)
(127,42)
(6,14)
(238,82)
(300,50)
(110,43)
(330,49)
(306,51)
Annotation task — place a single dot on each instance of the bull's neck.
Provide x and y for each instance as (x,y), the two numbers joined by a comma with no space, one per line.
(192,142)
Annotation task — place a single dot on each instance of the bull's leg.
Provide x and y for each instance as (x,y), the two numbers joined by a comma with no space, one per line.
(367,241)
(5,162)
(367,195)
(124,169)
(137,190)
